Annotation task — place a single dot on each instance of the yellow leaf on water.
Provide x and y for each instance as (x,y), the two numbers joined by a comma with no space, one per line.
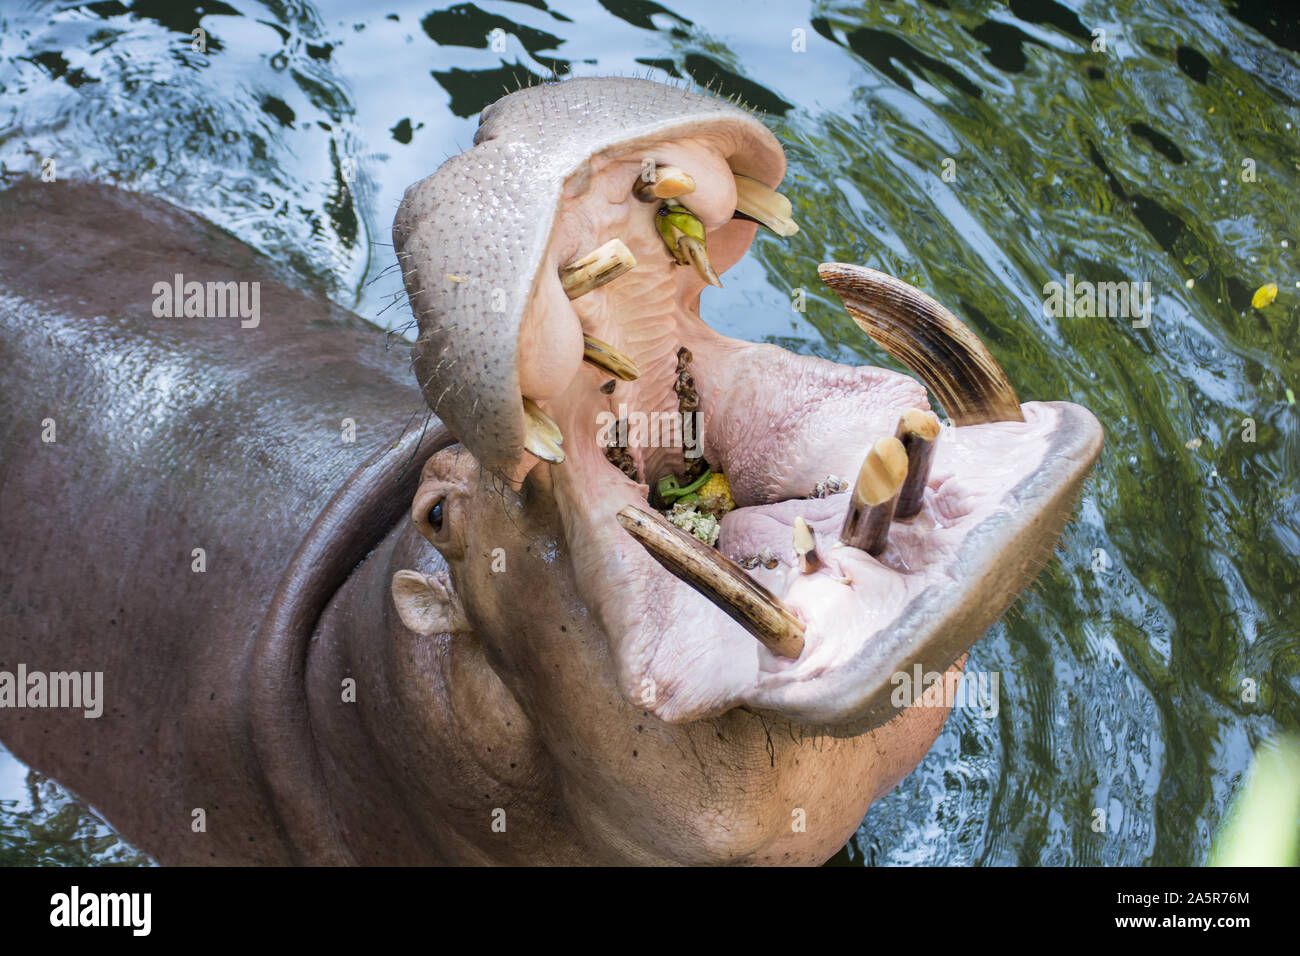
(1264,295)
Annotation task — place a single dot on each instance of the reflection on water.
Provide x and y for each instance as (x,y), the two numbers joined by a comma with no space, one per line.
(41,824)
(979,150)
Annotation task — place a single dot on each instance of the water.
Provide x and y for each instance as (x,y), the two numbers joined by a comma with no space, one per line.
(1126,718)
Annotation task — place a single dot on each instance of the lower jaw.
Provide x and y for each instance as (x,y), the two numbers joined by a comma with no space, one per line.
(669,639)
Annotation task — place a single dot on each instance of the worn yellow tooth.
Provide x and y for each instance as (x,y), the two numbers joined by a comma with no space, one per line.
(719,579)
(669,182)
(875,496)
(805,547)
(603,264)
(917,430)
(765,205)
(609,359)
(541,435)
(698,257)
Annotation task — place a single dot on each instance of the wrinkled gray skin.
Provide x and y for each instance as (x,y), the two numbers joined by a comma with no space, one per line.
(332,689)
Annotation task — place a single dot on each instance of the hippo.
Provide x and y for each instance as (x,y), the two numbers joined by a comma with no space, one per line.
(485,613)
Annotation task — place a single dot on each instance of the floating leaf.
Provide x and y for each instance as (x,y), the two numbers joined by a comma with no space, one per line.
(1264,295)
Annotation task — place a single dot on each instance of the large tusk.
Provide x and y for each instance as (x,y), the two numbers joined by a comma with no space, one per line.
(669,182)
(931,341)
(874,497)
(603,264)
(917,430)
(541,435)
(764,205)
(608,359)
(719,579)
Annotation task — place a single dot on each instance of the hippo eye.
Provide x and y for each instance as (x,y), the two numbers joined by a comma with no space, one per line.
(435,515)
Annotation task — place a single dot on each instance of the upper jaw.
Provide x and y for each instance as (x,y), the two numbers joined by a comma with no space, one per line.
(480,241)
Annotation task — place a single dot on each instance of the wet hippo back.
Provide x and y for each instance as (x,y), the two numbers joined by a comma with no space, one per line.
(170,435)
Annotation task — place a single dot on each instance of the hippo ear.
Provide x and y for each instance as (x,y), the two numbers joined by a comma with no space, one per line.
(427,604)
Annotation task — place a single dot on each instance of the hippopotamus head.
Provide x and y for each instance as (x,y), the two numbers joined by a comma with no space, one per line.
(555,270)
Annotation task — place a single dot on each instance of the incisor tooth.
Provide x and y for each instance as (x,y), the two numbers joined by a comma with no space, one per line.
(698,257)
(608,359)
(765,205)
(874,497)
(603,264)
(541,435)
(669,182)
(719,579)
(917,430)
(805,547)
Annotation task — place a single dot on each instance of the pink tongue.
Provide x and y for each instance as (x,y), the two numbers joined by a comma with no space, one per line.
(748,531)
(772,449)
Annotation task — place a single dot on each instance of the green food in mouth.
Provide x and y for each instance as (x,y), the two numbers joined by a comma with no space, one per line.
(670,490)
(699,506)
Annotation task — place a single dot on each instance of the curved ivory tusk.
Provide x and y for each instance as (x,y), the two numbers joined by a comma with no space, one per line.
(931,341)
(719,579)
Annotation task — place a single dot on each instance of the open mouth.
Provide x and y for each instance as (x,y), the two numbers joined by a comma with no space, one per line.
(860,536)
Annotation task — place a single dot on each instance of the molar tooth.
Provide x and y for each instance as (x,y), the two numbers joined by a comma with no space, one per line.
(608,359)
(917,430)
(719,579)
(941,349)
(541,435)
(805,547)
(764,205)
(603,264)
(874,497)
(669,182)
